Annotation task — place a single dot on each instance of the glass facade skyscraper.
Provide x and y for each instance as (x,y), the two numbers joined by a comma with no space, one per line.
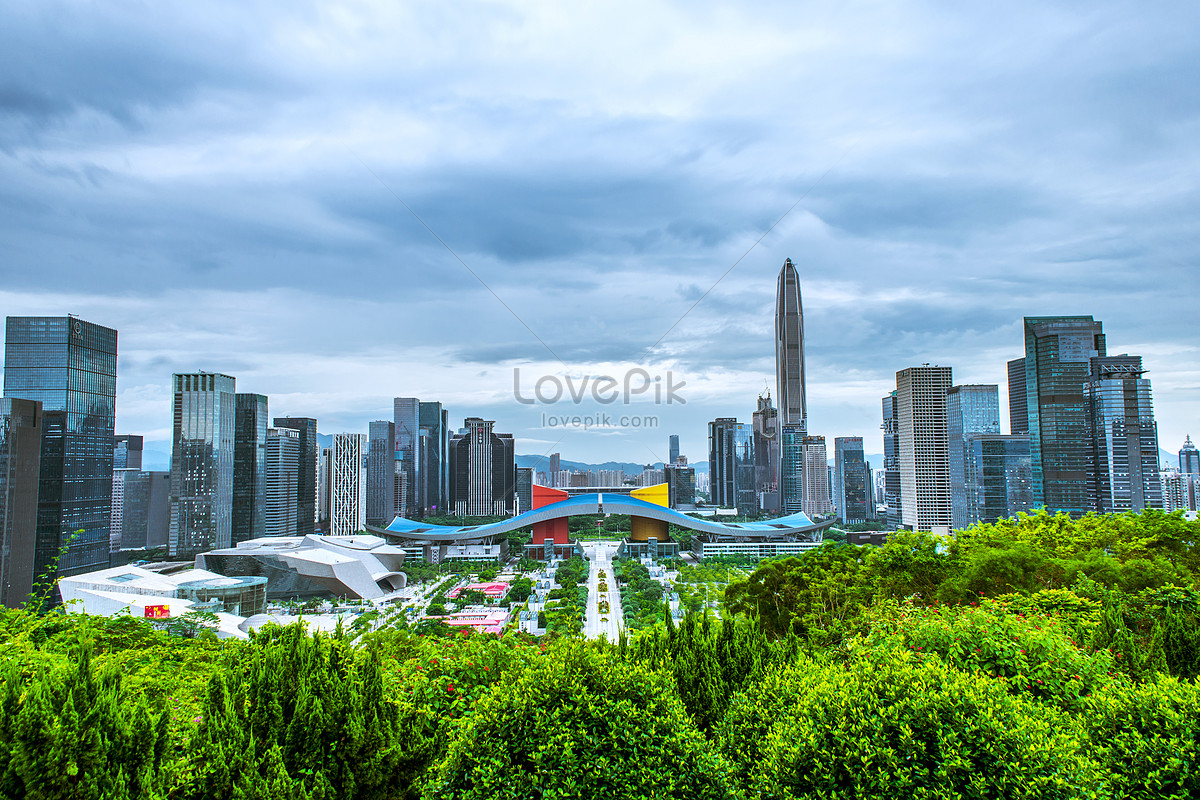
(970,409)
(854,491)
(70,366)
(1058,356)
(283,476)
(791,469)
(202,464)
(1123,471)
(1018,406)
(732,468)
(434,455)
(407,416)
(789,348)
(306,471)
(891,461)
(381,472)
(249,467)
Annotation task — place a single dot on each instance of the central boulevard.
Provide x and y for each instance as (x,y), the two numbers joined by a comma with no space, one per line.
(600,560)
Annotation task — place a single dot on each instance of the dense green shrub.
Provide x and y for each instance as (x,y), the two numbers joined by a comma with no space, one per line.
(580,724)
(1146,738)
(896,726)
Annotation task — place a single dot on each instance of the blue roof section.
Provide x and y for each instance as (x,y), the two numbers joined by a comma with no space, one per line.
(791,525)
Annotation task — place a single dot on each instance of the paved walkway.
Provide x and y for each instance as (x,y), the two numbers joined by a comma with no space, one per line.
(600,555)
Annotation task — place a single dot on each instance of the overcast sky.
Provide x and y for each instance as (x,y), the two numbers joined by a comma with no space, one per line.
(224,184)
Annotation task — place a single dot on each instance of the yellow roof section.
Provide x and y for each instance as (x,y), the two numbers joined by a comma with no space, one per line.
(656,494)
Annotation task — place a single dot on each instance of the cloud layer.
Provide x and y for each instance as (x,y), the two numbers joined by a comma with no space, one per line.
(226,184)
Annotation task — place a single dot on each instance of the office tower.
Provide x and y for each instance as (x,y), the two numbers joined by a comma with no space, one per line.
(765,421)
(1174,493)
(202,463)
(789,348)
(998,477)
(434,466)
(1123,470)
(924,471)
(555,463)
(116,520)
(347,484)
(127,452)
(1018,407)
(854,492)
(250,422)
(381,472)
(482,470)
(1189,458)
(791,469)
(282,513)
(970,409)
(306,471)
(818,495)
(144,509)
(407,416)
(731,465)
(681,487)
(524,489)
(672,449)
(20,467)
(1058,355)
(324,488)
(891,461)
(70,366)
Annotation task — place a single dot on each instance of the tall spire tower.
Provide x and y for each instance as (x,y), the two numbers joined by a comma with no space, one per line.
(789,348)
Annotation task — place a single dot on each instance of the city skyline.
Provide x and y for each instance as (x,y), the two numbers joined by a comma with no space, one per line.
(241,215)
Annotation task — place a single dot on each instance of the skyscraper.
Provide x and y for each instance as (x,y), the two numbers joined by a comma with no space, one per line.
(731,465)
(381,472)
(434,456)
(854,491)
(1123,471)
(970,409)
(672,449)
(791,469)
(283,476)
(347,484)
(524,489)
(20,465)
(127,452)
(818,494)
(249,467)
(407,416)
(1189,458)
(482,470)
(891,460)
(1058,356)
(70,366)
(681,486)
(202,464)
(789,348)
(306,471)
(924,471)
(1018,406)
(766,445)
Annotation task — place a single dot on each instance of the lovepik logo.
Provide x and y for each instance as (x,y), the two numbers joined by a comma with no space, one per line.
(604,389)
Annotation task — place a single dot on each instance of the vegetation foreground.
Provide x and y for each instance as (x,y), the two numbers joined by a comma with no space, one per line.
(1034,658)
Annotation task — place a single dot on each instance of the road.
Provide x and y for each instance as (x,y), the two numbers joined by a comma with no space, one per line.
(600,555)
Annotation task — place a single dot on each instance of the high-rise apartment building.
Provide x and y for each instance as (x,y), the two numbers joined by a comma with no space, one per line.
(249,467)
(324,488)
(923,439)
(672,449)
(1018,405)
(818,494)
(732,466)
(854,490)
(1123,471)
(1058,357)
(891,461)
(202,463)
(789,348)
(282,512)
(20,465)
(70,366)
(970,409)
(407,416)
(348,484)
(482,470)
(433,454)
(381,472)
(306,471)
